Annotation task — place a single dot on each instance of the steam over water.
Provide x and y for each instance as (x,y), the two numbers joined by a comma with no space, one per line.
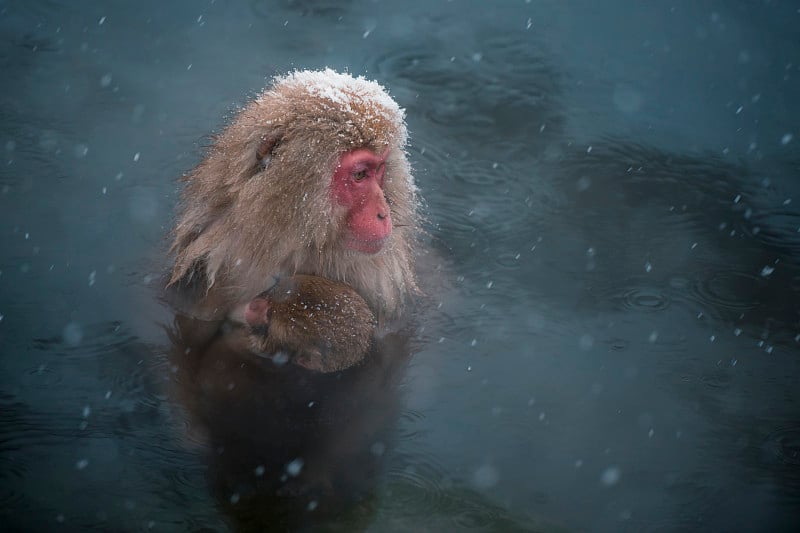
(613,197)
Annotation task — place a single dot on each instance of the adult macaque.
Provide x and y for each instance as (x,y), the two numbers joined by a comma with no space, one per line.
(310,185)
(314,322)
(309,178)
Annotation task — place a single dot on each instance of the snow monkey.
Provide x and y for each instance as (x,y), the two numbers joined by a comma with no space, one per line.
(309,178)
(295,242)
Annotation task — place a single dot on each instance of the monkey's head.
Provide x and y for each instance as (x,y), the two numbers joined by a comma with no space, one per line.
(341,132)
(311,177)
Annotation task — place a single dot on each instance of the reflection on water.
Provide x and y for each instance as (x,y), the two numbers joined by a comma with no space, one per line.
(287,448)
(612,336)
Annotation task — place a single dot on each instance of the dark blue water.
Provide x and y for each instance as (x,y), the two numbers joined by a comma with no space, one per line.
(613,192)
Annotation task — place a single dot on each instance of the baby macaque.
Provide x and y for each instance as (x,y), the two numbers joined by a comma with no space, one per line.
(317,323)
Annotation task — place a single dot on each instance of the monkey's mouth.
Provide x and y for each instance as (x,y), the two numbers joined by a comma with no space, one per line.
(366,246)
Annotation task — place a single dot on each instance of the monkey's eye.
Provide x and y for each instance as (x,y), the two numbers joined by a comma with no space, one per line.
(359,175)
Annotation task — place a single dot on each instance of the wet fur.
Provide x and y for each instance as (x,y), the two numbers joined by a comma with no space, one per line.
(320,324)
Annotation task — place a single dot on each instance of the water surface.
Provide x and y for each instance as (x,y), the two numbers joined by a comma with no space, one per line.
(612,192)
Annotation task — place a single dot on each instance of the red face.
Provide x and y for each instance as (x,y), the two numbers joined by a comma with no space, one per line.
(357,184)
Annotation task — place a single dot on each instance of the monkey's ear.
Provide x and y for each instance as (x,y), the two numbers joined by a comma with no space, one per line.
(265,148)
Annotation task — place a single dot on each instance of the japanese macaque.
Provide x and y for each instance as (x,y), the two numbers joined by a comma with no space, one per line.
(309,178)
(314,322)
(309,185)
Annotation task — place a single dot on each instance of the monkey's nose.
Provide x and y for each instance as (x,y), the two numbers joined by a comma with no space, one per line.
(381,216)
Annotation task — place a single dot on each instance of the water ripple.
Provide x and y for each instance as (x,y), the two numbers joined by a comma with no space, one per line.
(81,342)
(784,444)
(716,378)
(509,86)
(433,155)
(423,69)
(329,9)
(534,81)
(728,290)
(648,299)
(509,260)
(638,174)
(43,376)
(778,229)
(182,471)
(419,484)
(640,297)
(455,222)
(420,492)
